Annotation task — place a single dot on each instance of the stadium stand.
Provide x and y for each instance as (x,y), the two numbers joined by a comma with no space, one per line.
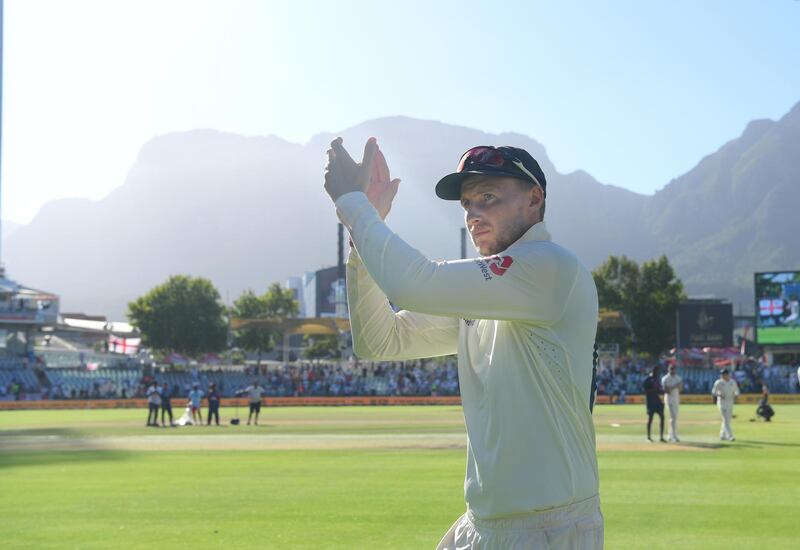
(629,376)
(124,377)
(76,358)
(9,363)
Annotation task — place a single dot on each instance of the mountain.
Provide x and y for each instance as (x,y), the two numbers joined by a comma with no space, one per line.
(248,211)
(734,213)
(8,228)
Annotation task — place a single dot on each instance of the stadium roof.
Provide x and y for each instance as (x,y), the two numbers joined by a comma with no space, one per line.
(310,325)
(116,327)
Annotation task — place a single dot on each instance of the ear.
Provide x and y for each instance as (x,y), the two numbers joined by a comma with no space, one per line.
(535,195)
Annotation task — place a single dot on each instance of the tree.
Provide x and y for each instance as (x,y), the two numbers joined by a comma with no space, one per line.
(617,282)
(183,314)
(322,347)
(660,292)
(648,297)
(277,302)
(280,301)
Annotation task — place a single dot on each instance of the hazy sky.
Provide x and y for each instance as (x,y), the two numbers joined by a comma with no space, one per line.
(634,92)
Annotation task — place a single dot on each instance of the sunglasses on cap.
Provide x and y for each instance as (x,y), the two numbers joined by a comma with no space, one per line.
(494,158)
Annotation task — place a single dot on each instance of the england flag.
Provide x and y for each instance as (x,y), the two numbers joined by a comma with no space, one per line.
(128,346)
(768,307)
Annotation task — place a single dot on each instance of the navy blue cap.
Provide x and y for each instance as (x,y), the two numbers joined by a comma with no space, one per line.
(504,161)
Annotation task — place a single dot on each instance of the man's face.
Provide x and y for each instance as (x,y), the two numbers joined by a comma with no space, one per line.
(726,377)
(672,370)
(498,211)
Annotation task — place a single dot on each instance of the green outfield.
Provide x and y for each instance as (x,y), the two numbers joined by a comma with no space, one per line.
(369,477)
(779,335)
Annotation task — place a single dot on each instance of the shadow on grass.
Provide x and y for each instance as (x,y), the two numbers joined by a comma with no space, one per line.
(700,444)
(47,446)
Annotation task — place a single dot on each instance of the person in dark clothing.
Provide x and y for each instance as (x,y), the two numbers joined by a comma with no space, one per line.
(166,405)
(213,404)
(652,393)
(764,409)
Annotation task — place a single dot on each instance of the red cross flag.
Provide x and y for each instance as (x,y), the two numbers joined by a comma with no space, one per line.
(129,346)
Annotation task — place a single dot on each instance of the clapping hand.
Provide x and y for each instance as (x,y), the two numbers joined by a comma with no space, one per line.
(344,175)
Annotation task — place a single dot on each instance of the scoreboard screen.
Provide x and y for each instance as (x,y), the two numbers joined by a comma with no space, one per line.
(777,307)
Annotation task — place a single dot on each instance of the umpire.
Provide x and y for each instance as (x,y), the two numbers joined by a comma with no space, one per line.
(652,392)
(254,393)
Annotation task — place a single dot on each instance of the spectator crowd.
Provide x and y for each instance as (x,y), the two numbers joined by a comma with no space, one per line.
(627,377)
(348,378)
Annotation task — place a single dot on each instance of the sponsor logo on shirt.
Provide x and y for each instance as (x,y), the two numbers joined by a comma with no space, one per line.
(469,322)
(484,269)
(494,264)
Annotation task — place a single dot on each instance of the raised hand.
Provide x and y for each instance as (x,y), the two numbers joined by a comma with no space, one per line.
(382,189)
(344,175)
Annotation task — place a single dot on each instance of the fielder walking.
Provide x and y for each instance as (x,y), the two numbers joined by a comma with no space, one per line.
(725,391)
(673,386)
(522,318)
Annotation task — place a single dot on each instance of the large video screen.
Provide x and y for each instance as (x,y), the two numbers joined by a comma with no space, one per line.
(702,324)
(330,289)
(778,307)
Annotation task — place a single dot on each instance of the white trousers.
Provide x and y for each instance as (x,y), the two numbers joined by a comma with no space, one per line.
(672,408)
(578,526)
(726,412)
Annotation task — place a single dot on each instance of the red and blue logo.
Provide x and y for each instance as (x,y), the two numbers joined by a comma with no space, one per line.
(499,264)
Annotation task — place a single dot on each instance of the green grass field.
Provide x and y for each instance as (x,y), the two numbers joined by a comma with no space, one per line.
(779,335)
(370,477)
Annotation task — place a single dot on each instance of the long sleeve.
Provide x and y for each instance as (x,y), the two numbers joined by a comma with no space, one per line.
(531,282)
(380,333)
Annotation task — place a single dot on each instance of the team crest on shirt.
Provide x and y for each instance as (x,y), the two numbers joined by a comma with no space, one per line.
(497,265)
(469,322)
(500,264)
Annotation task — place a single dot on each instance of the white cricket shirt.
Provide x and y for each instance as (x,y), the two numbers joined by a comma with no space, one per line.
(523,323)
(254,393)
(671,383)
(726,391)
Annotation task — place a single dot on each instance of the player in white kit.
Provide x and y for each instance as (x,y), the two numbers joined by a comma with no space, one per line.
(725,390)
(793,318)
(673,385)
(522,319)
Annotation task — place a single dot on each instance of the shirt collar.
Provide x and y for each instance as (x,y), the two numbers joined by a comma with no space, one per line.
(537,232)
